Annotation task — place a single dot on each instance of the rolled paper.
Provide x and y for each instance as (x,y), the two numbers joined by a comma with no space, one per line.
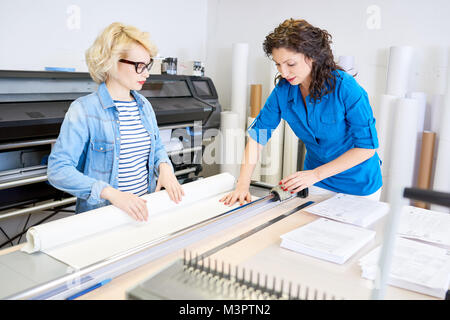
(426,163)
(404,139)
(399,69)
(256,176)
(239,85)
(255,99)
(232,143)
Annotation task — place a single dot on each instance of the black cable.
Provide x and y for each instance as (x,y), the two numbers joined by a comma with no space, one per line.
(7,237)
(24,227)
(22,233)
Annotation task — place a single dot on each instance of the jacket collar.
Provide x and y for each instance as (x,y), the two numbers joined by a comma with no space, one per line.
(107,101)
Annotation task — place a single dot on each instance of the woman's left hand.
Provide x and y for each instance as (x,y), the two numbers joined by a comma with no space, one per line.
(300,180)
(168,180)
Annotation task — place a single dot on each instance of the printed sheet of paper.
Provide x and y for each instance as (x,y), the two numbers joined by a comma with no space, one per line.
(425,225)
(350,209)
(416,266)
(327,239)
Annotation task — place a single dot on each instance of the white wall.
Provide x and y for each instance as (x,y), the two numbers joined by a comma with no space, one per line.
(35,34)
(421,24)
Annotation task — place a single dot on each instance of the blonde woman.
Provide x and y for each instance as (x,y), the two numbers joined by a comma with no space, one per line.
(109,150)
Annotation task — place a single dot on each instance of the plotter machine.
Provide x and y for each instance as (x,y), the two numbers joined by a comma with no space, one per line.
(32,109)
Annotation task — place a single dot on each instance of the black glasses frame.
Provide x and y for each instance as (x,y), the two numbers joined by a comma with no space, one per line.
(140,65)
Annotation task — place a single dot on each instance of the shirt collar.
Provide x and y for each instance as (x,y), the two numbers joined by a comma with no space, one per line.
(294,94)
(107,101)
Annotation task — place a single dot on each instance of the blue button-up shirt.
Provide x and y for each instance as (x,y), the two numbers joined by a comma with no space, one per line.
(85,157)
(340,121)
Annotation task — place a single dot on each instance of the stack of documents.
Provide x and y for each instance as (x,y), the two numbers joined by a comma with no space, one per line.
(415,266)
(425,225)
(350,209)
(328,240)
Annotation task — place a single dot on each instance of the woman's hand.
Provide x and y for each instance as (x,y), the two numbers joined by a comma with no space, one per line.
(134,206)
(299,180)
(241,194)
(168,180)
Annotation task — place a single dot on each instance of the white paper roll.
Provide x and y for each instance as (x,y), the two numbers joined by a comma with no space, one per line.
(404,139)
(290,151)
(421,97)
(384,124)
(348,64)
(59,232)
(441,180)
(398,75)
(272,157)
(442,172)
(239,85)
(232,143)
(441,62)
(256,176)
(273,74)
(433,113)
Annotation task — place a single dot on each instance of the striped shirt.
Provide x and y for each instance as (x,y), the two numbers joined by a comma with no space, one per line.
(134,149)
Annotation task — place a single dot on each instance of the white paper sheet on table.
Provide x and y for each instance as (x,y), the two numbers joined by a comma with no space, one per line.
(426,225)
(328,240)
(350,209)
(415,266)
(89,250)
(95,235)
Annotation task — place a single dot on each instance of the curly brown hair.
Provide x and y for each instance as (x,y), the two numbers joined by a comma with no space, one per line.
(314,43)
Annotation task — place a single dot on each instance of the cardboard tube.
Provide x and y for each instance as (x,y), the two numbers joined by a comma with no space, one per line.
(426,163)
(255,100)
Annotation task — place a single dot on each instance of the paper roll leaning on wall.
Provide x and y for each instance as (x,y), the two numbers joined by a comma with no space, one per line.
(421,97)
(255,108)
(93,236)
(348,64)
(290,151)
(232,143)
(384,124)
(239,85)
(403,148)
(272,154)
(442,171)
(399,69)
(425,164)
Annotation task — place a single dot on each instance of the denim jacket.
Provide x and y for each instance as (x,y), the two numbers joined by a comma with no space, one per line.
(85,157)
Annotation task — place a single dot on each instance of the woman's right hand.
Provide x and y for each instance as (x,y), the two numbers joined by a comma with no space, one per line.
(241,194)
(134,206)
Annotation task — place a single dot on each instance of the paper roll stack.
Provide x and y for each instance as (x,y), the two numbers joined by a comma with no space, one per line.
(232,143)
(239,84)
(255,108)
(403,148)
(399,68)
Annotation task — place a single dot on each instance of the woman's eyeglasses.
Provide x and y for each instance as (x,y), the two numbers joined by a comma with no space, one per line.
(139,66)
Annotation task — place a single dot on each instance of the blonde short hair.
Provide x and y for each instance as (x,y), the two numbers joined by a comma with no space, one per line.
(111,45)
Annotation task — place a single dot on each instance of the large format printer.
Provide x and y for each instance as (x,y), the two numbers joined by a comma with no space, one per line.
(32,109)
